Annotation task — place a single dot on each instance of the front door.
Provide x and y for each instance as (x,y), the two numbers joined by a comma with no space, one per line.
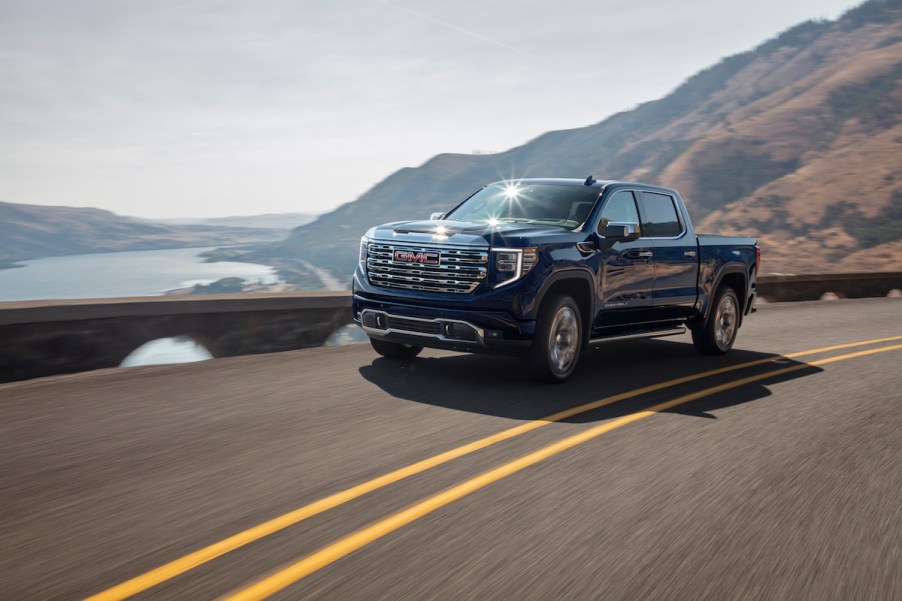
(626,270)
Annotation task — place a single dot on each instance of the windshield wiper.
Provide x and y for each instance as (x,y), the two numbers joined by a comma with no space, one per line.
(549,221)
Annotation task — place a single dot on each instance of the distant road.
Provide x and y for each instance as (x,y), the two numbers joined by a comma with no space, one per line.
(333,474)
(329,281)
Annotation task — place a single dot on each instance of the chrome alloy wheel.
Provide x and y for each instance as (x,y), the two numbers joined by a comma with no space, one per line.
(563,343)
(725,324)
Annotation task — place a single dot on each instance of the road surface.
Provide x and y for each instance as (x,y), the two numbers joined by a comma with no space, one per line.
(334,474)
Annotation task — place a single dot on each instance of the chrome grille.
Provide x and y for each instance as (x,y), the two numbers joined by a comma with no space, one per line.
(459,271)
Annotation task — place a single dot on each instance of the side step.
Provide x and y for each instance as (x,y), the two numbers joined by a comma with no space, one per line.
(637,335)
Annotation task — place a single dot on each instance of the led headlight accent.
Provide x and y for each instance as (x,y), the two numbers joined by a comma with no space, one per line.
(514,263)
(364,252)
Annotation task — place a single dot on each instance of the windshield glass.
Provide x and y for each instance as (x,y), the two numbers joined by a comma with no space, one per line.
(546,204)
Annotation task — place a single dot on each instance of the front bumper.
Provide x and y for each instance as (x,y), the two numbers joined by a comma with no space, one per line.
(449,329)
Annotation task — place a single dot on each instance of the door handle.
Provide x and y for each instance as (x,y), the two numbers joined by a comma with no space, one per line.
(645,254)
(689,253)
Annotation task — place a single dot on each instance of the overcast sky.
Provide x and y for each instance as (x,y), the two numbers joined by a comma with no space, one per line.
(185,108)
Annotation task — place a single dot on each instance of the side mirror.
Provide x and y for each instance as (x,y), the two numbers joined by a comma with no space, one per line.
(436,216)
(622,232)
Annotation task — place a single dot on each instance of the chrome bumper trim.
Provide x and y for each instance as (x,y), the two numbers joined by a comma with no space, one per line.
(480,333)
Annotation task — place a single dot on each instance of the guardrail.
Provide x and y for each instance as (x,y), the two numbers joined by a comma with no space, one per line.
(41,338)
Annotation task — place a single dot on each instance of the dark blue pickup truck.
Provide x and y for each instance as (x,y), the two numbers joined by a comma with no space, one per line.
(544,267)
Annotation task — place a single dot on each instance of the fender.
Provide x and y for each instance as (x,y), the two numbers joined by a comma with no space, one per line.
(725,270)
(573,273)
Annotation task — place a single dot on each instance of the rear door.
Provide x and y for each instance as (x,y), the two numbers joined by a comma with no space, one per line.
(676,256)
(626,269)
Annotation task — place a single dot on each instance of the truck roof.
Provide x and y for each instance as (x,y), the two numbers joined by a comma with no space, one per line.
(562,181)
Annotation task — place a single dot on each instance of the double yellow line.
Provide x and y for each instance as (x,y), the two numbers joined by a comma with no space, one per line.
(344,546)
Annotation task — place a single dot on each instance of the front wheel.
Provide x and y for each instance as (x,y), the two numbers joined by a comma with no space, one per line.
(716,337)
(395,350)
(558,341)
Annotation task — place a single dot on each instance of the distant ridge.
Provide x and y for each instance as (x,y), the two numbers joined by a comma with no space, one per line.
(279,221)
(33,231)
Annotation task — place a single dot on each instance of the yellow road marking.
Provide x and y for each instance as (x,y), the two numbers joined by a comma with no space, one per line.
(295,572)
(201,556)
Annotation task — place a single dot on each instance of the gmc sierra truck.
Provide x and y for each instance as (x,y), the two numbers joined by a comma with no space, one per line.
(545,267)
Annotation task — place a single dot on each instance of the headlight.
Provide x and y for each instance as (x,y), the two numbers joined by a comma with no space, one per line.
(508,261)
(513,263)
(530,258)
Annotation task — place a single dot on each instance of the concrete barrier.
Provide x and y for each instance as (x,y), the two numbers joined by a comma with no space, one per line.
(41,338)
(785,288)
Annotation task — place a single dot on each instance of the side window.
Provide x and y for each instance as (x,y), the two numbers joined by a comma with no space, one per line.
(661,217)
(620,208)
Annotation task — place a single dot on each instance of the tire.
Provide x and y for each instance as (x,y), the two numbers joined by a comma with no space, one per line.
(395,350)
(556,347)
(717,335)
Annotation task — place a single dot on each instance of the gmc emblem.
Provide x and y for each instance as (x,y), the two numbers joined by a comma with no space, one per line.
(409,256)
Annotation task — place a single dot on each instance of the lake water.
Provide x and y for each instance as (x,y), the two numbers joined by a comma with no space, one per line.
(136,273)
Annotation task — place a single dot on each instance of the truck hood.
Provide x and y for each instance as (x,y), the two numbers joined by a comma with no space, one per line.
(467,233)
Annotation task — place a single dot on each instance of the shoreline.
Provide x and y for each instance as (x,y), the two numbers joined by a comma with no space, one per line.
(297,272)
(20,262)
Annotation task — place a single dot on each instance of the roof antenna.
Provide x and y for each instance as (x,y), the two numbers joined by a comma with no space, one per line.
(590,180)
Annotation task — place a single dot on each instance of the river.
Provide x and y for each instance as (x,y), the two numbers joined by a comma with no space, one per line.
(134,273)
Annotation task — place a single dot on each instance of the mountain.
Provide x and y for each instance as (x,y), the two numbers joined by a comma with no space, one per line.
(31,231)
(797,142)
(277,221)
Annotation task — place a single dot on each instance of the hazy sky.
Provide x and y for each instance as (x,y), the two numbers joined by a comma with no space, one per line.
(185,108)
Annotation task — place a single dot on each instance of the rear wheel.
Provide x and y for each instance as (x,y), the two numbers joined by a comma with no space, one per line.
(555,349)
(395,350)
(717,335)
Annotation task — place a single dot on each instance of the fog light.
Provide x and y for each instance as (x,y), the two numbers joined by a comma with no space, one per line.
(463,332)
(372,320)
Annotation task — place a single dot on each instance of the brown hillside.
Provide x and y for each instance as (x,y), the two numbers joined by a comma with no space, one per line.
(797,142)
(842,173)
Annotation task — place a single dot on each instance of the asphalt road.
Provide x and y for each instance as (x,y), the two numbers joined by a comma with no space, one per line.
(784,486)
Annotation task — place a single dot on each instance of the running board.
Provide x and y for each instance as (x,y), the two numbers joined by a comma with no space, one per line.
(637,335)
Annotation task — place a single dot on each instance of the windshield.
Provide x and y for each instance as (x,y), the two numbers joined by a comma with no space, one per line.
(546,204)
